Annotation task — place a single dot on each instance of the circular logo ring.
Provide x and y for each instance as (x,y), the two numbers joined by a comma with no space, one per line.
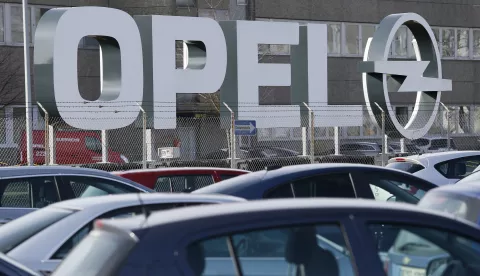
(423,76)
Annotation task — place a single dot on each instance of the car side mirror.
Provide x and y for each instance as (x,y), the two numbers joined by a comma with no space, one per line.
(392,199)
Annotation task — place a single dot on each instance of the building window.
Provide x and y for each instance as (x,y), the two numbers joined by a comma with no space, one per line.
(16,23)
(334,38)
(2,24)
(476,43)
(367,32)
(436,33)
(352,39)
(448,42)
(400,42)
(463,43)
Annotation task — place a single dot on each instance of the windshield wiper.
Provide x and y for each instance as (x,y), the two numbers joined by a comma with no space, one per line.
(411,245)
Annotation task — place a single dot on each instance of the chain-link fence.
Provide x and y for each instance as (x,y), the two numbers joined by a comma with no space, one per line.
(204,141)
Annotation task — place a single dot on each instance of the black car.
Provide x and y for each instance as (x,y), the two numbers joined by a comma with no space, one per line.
(325,180)
(310,237)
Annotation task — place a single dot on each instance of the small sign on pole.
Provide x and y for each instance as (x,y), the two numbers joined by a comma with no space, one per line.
(246,128)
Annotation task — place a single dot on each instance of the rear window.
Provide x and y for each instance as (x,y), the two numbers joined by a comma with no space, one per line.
(99,253)
(452,203)
(19,230)
(406,166)
(180,183)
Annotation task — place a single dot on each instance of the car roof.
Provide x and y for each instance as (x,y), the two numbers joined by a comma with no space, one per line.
(119,200)
(179,169)
(7,172)
(433,158)
(277,207)
(286,173)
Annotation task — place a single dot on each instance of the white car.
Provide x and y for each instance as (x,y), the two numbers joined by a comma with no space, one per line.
(439,168)
(40,240)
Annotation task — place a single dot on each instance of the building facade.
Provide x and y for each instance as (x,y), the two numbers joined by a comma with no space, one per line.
(350,23)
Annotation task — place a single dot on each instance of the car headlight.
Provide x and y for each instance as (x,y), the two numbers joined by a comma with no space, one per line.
(124,158)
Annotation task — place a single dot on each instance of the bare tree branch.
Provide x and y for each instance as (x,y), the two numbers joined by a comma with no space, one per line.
(11,64)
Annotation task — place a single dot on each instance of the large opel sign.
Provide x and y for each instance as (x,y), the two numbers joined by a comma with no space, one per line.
(138,65)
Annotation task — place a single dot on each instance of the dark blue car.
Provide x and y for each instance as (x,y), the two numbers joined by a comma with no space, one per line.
(325,180)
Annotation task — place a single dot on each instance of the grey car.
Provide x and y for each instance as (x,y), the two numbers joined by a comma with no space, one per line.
(272,237)
(24,189)
(40,240)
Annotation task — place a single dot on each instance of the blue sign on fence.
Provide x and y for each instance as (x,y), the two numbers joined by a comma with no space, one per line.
(245,128)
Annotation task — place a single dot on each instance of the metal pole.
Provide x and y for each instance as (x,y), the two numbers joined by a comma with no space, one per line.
(47,138)
(144,132)
(233,150)
(448,125)
(104,146)
(312,133)
(28,92)
(383,133)
(336,134)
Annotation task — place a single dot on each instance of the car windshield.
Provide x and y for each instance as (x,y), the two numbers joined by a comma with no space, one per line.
(19,230)
(406,166)
(452,203)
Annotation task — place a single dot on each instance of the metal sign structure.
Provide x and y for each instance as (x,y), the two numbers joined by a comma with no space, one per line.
(382,76)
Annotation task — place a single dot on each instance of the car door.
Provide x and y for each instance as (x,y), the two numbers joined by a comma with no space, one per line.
(277,249)
(391,186)
(330,185)
(424,248)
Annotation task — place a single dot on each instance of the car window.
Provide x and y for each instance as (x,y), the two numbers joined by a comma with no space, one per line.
(406,166)
(387,187)
(30,192)
(458,168)
(227,176)
(328,185)
(408,250)
(86,186)
(180,183)
(93,144)
(303,247)
(456,204)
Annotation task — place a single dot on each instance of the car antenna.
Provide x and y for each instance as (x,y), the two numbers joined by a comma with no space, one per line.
(145,210)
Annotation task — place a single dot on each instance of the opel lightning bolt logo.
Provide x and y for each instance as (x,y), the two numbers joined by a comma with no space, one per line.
(424,76)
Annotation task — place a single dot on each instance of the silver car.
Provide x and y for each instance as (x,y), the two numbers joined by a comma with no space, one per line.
(41,240)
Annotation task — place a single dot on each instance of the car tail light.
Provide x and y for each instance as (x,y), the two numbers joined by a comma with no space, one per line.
(400,159)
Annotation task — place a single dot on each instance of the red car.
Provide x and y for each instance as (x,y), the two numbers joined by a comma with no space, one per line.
(175,180)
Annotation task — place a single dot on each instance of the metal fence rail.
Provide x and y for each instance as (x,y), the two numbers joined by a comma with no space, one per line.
(204,142)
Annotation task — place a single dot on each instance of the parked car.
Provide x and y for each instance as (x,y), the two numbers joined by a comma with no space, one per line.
(10,267)
(439,168)
(179,179)
(324,180)
(408,148)
(253,153)
(71,147)
(34,187)
(274,237)
(434,144)
(42,239)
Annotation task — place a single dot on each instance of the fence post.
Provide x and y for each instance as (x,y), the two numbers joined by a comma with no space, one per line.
(47,132)
(233,149)
(448,125)
(402,145)
(104,146)
(336,137)
(52,144)
(383,134)
(144,136)
(311,119)
(304,141)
